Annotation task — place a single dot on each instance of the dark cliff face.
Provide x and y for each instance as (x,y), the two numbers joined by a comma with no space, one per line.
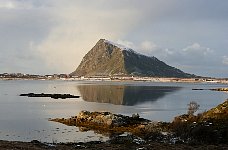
(110,59)
(142,65)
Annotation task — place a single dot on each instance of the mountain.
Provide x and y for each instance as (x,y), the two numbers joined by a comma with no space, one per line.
(110,59)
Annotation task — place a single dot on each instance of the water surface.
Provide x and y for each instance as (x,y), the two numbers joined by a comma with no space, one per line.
(26,118)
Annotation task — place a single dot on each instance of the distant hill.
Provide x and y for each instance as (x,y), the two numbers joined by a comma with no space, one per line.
(110,59)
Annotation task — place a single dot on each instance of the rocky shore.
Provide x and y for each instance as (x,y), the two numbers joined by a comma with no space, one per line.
(210,127)
(208,130)
(217,89)
(124,145)
(221,89)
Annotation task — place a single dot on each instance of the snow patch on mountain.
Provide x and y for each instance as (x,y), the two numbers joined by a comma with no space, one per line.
(122,47)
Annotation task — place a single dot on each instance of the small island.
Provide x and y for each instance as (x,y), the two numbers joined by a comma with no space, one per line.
(54,96)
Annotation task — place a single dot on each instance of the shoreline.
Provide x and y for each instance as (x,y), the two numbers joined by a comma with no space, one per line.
(96,145)
(116,143)
(187,131)
(129,79)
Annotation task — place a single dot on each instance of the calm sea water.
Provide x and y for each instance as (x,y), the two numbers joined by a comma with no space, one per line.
(26,119)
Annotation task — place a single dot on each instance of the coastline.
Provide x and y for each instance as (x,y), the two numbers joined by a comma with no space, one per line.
(200,129)
(185,130)
(122,79)
(96,145)
(116,144)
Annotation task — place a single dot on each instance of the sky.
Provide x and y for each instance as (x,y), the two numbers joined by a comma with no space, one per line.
(52,36)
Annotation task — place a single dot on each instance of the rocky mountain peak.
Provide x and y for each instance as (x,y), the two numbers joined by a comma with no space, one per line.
(107,58)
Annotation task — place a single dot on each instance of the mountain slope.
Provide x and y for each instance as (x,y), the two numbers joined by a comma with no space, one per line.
(109,59)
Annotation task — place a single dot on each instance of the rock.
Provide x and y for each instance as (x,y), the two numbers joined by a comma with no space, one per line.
(219,112)
(54,96)
(208,127)
(110,59)
(135,116)
(108,121)
(220,89)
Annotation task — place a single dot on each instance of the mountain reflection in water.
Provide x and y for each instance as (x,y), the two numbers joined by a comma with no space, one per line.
(123,95)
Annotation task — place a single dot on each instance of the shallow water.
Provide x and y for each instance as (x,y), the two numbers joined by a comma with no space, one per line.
(26,118)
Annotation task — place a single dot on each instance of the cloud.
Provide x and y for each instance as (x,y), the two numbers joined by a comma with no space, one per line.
(24,4)
(56,34)
(194,54)
(197,49)
(225,60)
(193,58)
(79,28)
(7,5)
(20,29)
(61,33)
(17,4)
(126,43)
(147,47)
(189,56)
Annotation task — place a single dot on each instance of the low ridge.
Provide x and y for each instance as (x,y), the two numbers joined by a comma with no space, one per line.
(107,58)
